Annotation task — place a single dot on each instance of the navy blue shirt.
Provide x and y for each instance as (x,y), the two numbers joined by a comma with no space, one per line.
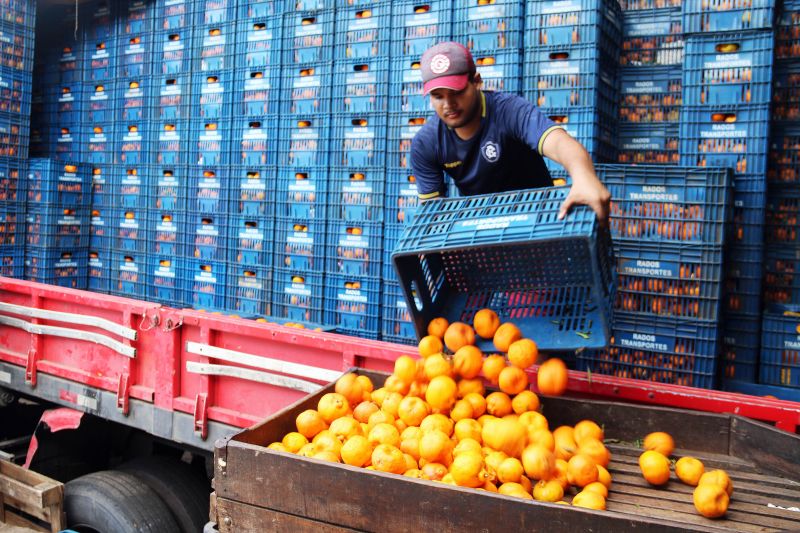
(504,154)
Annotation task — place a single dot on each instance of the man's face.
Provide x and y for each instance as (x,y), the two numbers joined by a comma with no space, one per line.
(457,108)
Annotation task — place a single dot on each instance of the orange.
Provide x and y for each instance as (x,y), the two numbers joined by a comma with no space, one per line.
(493,459)
(309,423)
(533,419)
(566,447)
(430,345)
(689,470)
(438,326)
(405,368)
(539,462)
(719,477)
(437,365)
(436,447)
(478,402)
(356,451)
(326,455)
(437,421)
(411,463)
(412,410)
(462,409)
(710,500)
(384,434)
(655,467)
(366,386)
(414,472)
(525,401)
(581,470)
(441,393)
(468,429)
(293,441)
(467,386)
(523,353)
(589,500)
(349,387)
(489,486)
(548,491)
(486,323)
(660,442)
(410,446)
(552,377)
(492,366)
(332,406)
(388,458)
(588,429)
(278,446)
(378,396)
(391,404)
(542,437)
(364,410)
(498,404)
(597,487)
(514,489)
(325,440)
(510,470)
(394,384)
(468,362)
(469,470)
(505,436)
(505,335)
(433,471)
(596,450)
(603,476)
(457,335)
(345,427)
(466,445)
(512,380)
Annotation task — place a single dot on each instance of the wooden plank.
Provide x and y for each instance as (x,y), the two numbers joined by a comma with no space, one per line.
(16,523)
(28,477)
(767,447)
(235,517)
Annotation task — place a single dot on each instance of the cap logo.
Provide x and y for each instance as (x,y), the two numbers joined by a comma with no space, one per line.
(440,63)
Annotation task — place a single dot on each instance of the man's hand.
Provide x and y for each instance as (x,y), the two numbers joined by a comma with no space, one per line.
(591,193)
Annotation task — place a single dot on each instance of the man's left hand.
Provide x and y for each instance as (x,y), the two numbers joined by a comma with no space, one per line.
(591,193)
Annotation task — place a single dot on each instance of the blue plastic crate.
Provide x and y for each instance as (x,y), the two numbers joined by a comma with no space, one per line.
(249,290)
(165,284)
(391,236)
(459,256)
(353,305)
(17,49)
(307,88)
(741,340)
(782,275)
(253,191)
(255,9)
(667,204)
(718,16)
(725,69)
(167,232)
(206,236)
(300,244)
(787,41)
(782,213)
(170,142)
(101,228)
(359,86)
(98,19)
(209,189)
(680,352)
(652,38)
(780,347)
(304,141)
(133,98)
(132,142)
(168,187)
(308,37)
(210,141)
(257,91)
(50,226)
(130,230)
(62,103)
(135,17)
(416,26)
(654,98)
(64,267)
(13,183)
(259,42)
(214,11)
(356,196)
(354,248)
(15,91)
(205,284)
(214,46)
(784,157)
(483,27)
(743,284)
(22,13)
(51,182)
(594,131)
(571,76)
(551,22)
(786,91)
(639,5)
(99,271)
(726,136)
(172,51)
(65,146)
(401,197)
(14,135)
(172,97)
(173,14)
(669,281)
(297,295)
(361,31)
(100,59)
(396,323)
(402,129)
(98,143)
(135,54)
(302,193)
(129,274)
(500,70)
(255,141)
(212,94)
(12,262)
(307,5)
(359,140)
(250,240)
(748,222)
(406,87)
(68,62)
(13,226)
(649,144)
(99,102)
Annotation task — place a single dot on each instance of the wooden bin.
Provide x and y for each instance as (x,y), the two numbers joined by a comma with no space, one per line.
(31,493)
(258,488)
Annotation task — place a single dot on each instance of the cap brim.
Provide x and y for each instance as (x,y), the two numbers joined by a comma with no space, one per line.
(455,83)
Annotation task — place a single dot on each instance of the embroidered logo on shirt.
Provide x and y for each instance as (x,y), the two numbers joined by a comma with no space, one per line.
(490,151)
(454,164)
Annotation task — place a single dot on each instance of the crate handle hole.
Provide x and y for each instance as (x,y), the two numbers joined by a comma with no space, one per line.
(559,56)
(724,117)
(425,8)
(414,292)
(727,48)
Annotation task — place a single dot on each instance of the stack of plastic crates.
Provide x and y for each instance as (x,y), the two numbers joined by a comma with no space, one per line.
(668,227)
(16,67)
(779,368)
(725,122)
(56,222)
(571,50)
(650,83)
(13,194)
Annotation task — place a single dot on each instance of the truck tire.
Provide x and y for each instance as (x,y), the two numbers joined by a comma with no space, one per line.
(184,490)
(115,502)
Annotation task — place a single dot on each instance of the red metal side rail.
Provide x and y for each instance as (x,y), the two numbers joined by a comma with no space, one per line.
(237,372)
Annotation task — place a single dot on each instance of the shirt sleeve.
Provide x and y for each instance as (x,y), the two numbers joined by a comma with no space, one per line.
(528,123)
(430,177)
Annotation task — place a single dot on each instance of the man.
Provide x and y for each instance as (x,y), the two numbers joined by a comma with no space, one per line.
(491,141)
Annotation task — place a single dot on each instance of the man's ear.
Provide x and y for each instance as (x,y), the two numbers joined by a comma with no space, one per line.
(476,80)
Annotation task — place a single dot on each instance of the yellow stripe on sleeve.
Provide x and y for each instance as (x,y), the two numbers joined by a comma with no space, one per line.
(547,132)
(429,195)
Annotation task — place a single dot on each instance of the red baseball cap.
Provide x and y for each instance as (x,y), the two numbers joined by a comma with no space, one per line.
(446,65)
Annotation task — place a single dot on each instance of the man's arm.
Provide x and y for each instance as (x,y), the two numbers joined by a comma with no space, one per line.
(586,187)
(430,179)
